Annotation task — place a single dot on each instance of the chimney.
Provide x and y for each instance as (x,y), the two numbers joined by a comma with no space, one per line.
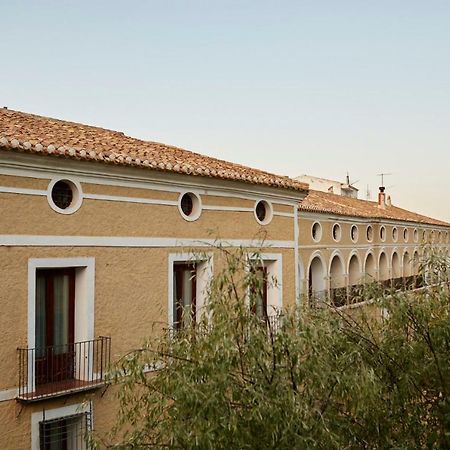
(382,198)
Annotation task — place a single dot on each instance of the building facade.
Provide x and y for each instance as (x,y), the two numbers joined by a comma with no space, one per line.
(105,240)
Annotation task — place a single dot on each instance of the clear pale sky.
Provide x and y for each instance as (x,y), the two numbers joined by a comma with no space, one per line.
(292,87)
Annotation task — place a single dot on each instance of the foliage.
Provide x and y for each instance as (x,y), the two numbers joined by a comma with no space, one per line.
(315,378)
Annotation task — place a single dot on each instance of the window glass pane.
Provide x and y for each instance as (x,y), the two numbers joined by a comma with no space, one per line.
(61,317)
(184,293)
(64,434)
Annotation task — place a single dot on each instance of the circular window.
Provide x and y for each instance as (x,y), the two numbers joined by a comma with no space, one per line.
(394,234)
(316,231)
(405,234)
(382,233)
(64,196)
(190,206)
(354,233)
(263,212)
(416,235)
(337,232)
(424,235)
(369,233)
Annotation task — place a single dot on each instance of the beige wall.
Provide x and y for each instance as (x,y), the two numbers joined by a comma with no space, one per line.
(131,284)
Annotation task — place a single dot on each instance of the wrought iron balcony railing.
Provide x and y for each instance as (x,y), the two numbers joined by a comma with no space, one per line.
(62,369)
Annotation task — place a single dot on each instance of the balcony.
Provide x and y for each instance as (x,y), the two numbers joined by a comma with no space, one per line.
(338,296)
(62,369)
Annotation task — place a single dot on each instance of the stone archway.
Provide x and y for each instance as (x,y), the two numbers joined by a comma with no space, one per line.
(370,269)
(316,279)
(338,290)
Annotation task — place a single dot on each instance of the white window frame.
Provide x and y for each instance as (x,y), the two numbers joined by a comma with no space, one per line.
(274,264)
(204,274)
(77,193)
(55,413)
(84,300)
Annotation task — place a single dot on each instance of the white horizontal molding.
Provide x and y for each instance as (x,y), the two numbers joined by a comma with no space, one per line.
(117,198)
(25,191)
(357,247)
(142,200)
(124,241)
(35,166)
(8,394)
(363,221)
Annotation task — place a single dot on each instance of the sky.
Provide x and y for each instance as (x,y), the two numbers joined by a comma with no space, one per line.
(292,87)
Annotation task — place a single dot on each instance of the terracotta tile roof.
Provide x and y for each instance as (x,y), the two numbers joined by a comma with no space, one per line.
(42,135)
(324,202)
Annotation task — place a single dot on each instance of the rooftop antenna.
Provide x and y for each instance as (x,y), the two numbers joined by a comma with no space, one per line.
(368,193)
(382,175)
(348,182)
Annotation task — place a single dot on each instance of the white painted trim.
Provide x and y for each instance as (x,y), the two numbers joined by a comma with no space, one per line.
(139,200)
(35,166)
(129,242)
(356,246)
(317,254)
(55,413)
(274,264)
(356,227)
(8,394)
(320,231)
(84,300)
(196,205)
(24,191)
(339,232)
(117,198)
(341,258)
(77,193)
(297,260)
(204,274)
(269,211)
(327,217)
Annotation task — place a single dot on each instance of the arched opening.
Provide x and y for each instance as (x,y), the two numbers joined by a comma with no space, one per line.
(384,270)
(354,279)
(338,290)
(316,280)
(408,277)
(397,281)
(370,269)
(415,270)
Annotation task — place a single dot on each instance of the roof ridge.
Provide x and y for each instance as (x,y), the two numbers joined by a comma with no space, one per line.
(356,207)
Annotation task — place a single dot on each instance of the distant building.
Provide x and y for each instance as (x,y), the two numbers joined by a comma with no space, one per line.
(331,186)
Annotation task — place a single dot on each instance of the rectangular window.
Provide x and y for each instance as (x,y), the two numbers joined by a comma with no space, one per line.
(267,301)
(65,433)
(55,324)
(259,306)
(184,294)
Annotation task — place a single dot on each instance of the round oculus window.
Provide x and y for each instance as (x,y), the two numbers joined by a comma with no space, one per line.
(64,196)
(416,235)
(405,234)
(382,233)
(354,233)
(369,233)
(395,234)
(336,232)
(316,231)
(190,206)
(263,212)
